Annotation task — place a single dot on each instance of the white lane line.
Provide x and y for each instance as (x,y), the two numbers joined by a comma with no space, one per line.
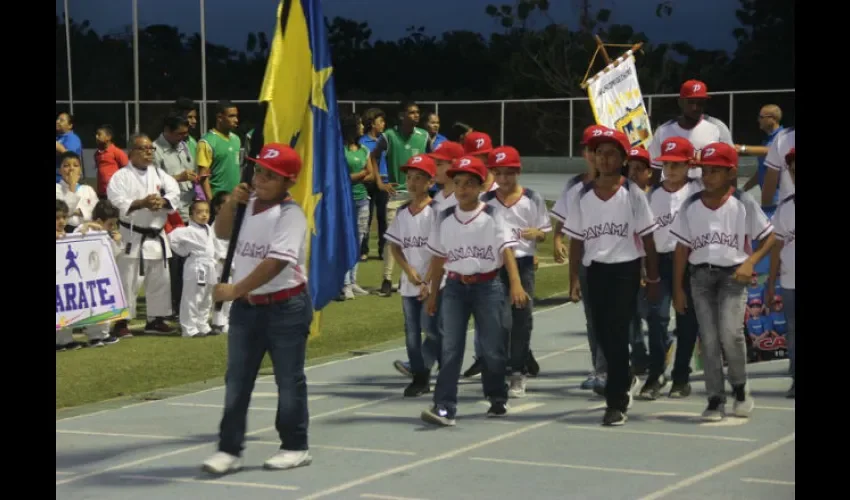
(570,466)
(694,403)
(216,482)
(659,433)
(720,468)
(387,497)
(767,481)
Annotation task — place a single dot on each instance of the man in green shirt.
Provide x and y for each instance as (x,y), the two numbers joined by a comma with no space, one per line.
(218,152)
(399,143)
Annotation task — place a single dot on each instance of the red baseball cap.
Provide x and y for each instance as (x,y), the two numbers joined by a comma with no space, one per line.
(280,159)
(676,149)
(477,143)
(447,151)
(790,156)
(504,156)
(694,89)
(640,153)
(421,162)
(469,165)
(718,154)
(606,134)
(588,133)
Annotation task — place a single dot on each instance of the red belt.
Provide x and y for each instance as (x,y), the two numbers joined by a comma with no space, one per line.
(468,279)
(264,299)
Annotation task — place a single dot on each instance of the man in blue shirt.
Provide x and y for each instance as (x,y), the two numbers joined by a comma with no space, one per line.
(432,125)
(66,140)
(374,123)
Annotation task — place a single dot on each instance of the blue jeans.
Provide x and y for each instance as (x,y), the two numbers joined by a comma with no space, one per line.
(281,329)
(422,355)
(485,301)
(361,210)
(518,331)
(789,301)
(597,358)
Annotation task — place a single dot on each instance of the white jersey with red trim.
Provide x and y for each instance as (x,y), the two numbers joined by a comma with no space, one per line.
(665,205)
(775,159)
(610,229)
(443,201)
(722,236)
(471,242)
(278,232)
(785,223)
(410,230)
(565,201)
(706,131)
(527,212)
(492,188)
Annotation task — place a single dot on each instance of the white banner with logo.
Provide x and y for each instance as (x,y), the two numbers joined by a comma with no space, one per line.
(617,102)
(88,285)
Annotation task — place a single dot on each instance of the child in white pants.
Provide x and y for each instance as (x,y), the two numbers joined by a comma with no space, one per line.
(221,319)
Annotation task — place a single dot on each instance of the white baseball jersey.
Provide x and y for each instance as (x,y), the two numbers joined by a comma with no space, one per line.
(129,184)
(721,237)
(565,201)
(665,205)
(471,242)
(775,159)
(83,198)
(443,201)
(410,230)
(279,232)
(493,187)
(708,130)
(611,229)
(784,222)
(527,212)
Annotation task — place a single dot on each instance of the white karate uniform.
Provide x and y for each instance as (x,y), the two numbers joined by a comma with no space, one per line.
(196,242)
(222,318)
(127,185)
(83,198)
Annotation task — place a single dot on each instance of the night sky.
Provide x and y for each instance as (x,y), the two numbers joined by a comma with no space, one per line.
(706,26)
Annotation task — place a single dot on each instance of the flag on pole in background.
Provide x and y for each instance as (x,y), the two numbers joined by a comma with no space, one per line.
(301,110)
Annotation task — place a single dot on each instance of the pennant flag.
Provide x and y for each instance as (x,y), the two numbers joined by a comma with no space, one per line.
(301,110)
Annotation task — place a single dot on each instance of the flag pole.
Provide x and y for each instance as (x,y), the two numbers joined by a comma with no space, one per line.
(136,61)
(68,52)
(203,67)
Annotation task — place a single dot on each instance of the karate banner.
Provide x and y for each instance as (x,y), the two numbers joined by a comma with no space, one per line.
(617,102)
(88,286)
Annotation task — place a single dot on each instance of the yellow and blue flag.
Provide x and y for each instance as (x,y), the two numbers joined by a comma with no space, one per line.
(301,110)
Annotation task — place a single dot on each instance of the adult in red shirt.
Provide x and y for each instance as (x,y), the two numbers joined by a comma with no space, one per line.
(108,159)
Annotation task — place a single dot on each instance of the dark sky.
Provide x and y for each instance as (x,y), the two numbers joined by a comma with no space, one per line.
(706,26)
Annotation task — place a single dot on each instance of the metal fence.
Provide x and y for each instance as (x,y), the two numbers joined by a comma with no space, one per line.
(537,127)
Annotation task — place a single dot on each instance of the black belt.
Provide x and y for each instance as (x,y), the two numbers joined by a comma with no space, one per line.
(146,233)
(706,265)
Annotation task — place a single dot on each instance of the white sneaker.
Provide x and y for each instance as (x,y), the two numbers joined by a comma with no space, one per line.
(286,459)
(631,393)
(358,290)
(518,383)
(348,292)
(222,463)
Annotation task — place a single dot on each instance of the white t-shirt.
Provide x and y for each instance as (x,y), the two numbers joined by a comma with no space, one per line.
(83,198)
(527,212)
(410,230)
(775,159)
(279,232)
(784,222)
(708,130)
(443,202)
(471,242)
(612,229)
(665,205)
(721,237)
(565,201)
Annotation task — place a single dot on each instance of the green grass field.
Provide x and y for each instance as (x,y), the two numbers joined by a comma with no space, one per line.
(135,367)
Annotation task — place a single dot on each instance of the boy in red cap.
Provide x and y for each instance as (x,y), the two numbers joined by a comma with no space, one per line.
(525,214)
(271,310)
(639,171)
(783,257)
(665,200)
(443,155)
(599,368)
(471,243)
(407,236)
(714,229)
(610,227)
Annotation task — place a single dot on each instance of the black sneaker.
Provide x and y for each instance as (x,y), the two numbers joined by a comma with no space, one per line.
(532,368)
(386,288)
(497,409)
(438,415)
(421,385)
(476,368)
(614,417)
(680,390)
(158,325)
(715,411)
(651,390)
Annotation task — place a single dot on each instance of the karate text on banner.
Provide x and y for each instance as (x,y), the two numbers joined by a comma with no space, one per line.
(617,101)
(88,287)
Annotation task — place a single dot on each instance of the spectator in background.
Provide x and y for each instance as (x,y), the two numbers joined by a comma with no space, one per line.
(66,140)
(187,108)
(107,159)
(374,124)
(218,152)
(432,126)
(80,198)
(769,120)
(458,132)
(357,159)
